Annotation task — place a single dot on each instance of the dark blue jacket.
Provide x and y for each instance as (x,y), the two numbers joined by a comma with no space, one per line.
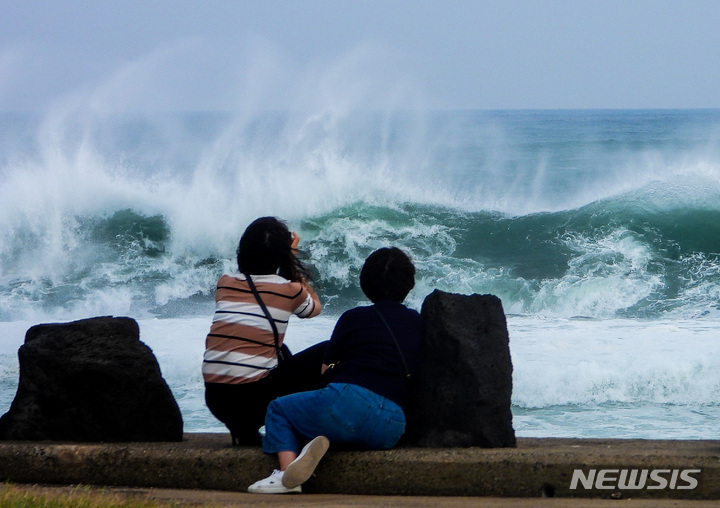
(366,354)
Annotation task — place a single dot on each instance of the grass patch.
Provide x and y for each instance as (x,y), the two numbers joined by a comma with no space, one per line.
(12,496)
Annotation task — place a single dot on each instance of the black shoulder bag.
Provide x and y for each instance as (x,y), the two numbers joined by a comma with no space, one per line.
(408,376)
(269,317)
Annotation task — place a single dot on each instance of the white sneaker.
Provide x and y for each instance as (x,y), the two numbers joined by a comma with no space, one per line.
(273,485)
(302,468)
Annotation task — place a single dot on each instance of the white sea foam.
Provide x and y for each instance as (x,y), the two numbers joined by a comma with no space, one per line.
(615,246)
(572,377)
(616,378)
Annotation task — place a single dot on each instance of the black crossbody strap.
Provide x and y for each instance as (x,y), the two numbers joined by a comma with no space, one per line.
(397,344)
(267,315)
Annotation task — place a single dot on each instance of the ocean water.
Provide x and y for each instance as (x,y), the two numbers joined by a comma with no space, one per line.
(599,231)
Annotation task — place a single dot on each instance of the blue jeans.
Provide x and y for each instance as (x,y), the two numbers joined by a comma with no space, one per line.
(344,413)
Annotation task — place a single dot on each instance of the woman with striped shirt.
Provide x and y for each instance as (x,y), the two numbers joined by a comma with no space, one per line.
(246,365)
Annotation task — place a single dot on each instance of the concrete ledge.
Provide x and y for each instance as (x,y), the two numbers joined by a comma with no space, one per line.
(534,468)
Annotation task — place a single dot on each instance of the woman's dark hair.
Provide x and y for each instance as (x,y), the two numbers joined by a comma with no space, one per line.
(264,248)
(388,274)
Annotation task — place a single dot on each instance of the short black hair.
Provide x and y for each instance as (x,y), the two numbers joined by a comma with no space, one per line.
(264,248)
(387,275)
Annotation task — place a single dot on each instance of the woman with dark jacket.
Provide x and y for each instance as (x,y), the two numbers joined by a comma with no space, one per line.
(373,352)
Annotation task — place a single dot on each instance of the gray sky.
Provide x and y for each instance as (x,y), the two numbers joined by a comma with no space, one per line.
(239,55)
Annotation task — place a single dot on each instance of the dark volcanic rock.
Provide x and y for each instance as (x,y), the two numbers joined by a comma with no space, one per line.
(90,380)
(464,384)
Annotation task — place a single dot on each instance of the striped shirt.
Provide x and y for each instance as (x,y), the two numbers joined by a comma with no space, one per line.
(240,347)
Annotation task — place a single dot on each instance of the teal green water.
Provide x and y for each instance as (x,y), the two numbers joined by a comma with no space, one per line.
(599,230)
(563,213)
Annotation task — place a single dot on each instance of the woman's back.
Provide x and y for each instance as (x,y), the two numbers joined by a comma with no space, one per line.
(366,353)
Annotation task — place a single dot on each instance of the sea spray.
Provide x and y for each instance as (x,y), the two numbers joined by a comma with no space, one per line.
(78,236)
(598,230)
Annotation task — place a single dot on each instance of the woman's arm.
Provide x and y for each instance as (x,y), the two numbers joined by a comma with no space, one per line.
(317,308)
(316,300)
